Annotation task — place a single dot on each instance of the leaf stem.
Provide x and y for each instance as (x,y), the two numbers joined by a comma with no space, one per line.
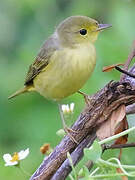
(117,136)
(106,175)
(115,165)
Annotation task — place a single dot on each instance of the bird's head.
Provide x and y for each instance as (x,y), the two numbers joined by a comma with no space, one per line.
(79,29)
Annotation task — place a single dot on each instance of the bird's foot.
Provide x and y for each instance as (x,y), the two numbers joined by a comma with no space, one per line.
(86,97)
(68,131)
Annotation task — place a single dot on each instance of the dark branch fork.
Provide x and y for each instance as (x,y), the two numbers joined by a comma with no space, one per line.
(56,166)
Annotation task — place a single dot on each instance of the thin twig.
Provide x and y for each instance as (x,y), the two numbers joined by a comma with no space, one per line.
(118,146)
(127,63)
(125,72)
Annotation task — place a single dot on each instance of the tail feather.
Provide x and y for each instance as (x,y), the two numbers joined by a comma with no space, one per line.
(21,91)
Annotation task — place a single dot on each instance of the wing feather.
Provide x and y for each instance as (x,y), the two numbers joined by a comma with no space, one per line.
(42,59)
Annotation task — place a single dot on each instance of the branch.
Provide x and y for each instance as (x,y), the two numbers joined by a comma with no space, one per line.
(99,108)
(76,156)
(102,104)
(130,109)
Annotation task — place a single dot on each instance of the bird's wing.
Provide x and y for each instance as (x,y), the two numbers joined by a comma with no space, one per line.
(42,59)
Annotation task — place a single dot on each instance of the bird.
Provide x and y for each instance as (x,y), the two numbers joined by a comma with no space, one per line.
(66,59)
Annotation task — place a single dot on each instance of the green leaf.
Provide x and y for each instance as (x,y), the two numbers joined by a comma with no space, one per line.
(94,152)
(84,172)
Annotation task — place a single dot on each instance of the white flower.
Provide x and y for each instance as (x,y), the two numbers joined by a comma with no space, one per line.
(72,105)
(67,109)
(14,160)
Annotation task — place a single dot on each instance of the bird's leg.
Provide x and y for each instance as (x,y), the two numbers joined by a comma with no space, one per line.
(66,129)
(85,96)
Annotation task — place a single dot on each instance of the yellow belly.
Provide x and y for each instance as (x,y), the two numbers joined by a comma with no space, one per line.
(66,73)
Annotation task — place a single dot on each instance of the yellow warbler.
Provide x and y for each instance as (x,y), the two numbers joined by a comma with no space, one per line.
(66,60)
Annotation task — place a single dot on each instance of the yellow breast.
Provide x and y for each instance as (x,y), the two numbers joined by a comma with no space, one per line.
(67,72)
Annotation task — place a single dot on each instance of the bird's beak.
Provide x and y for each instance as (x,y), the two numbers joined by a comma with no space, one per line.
(103,26)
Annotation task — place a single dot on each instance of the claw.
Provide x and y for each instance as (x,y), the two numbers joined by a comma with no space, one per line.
(68,131)
(86,97)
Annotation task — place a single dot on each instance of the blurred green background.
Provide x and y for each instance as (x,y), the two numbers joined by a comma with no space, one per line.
(30,120)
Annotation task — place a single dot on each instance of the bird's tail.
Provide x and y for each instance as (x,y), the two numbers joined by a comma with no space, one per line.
(21,91)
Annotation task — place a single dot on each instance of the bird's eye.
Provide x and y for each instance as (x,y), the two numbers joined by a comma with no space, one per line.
(83,31)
